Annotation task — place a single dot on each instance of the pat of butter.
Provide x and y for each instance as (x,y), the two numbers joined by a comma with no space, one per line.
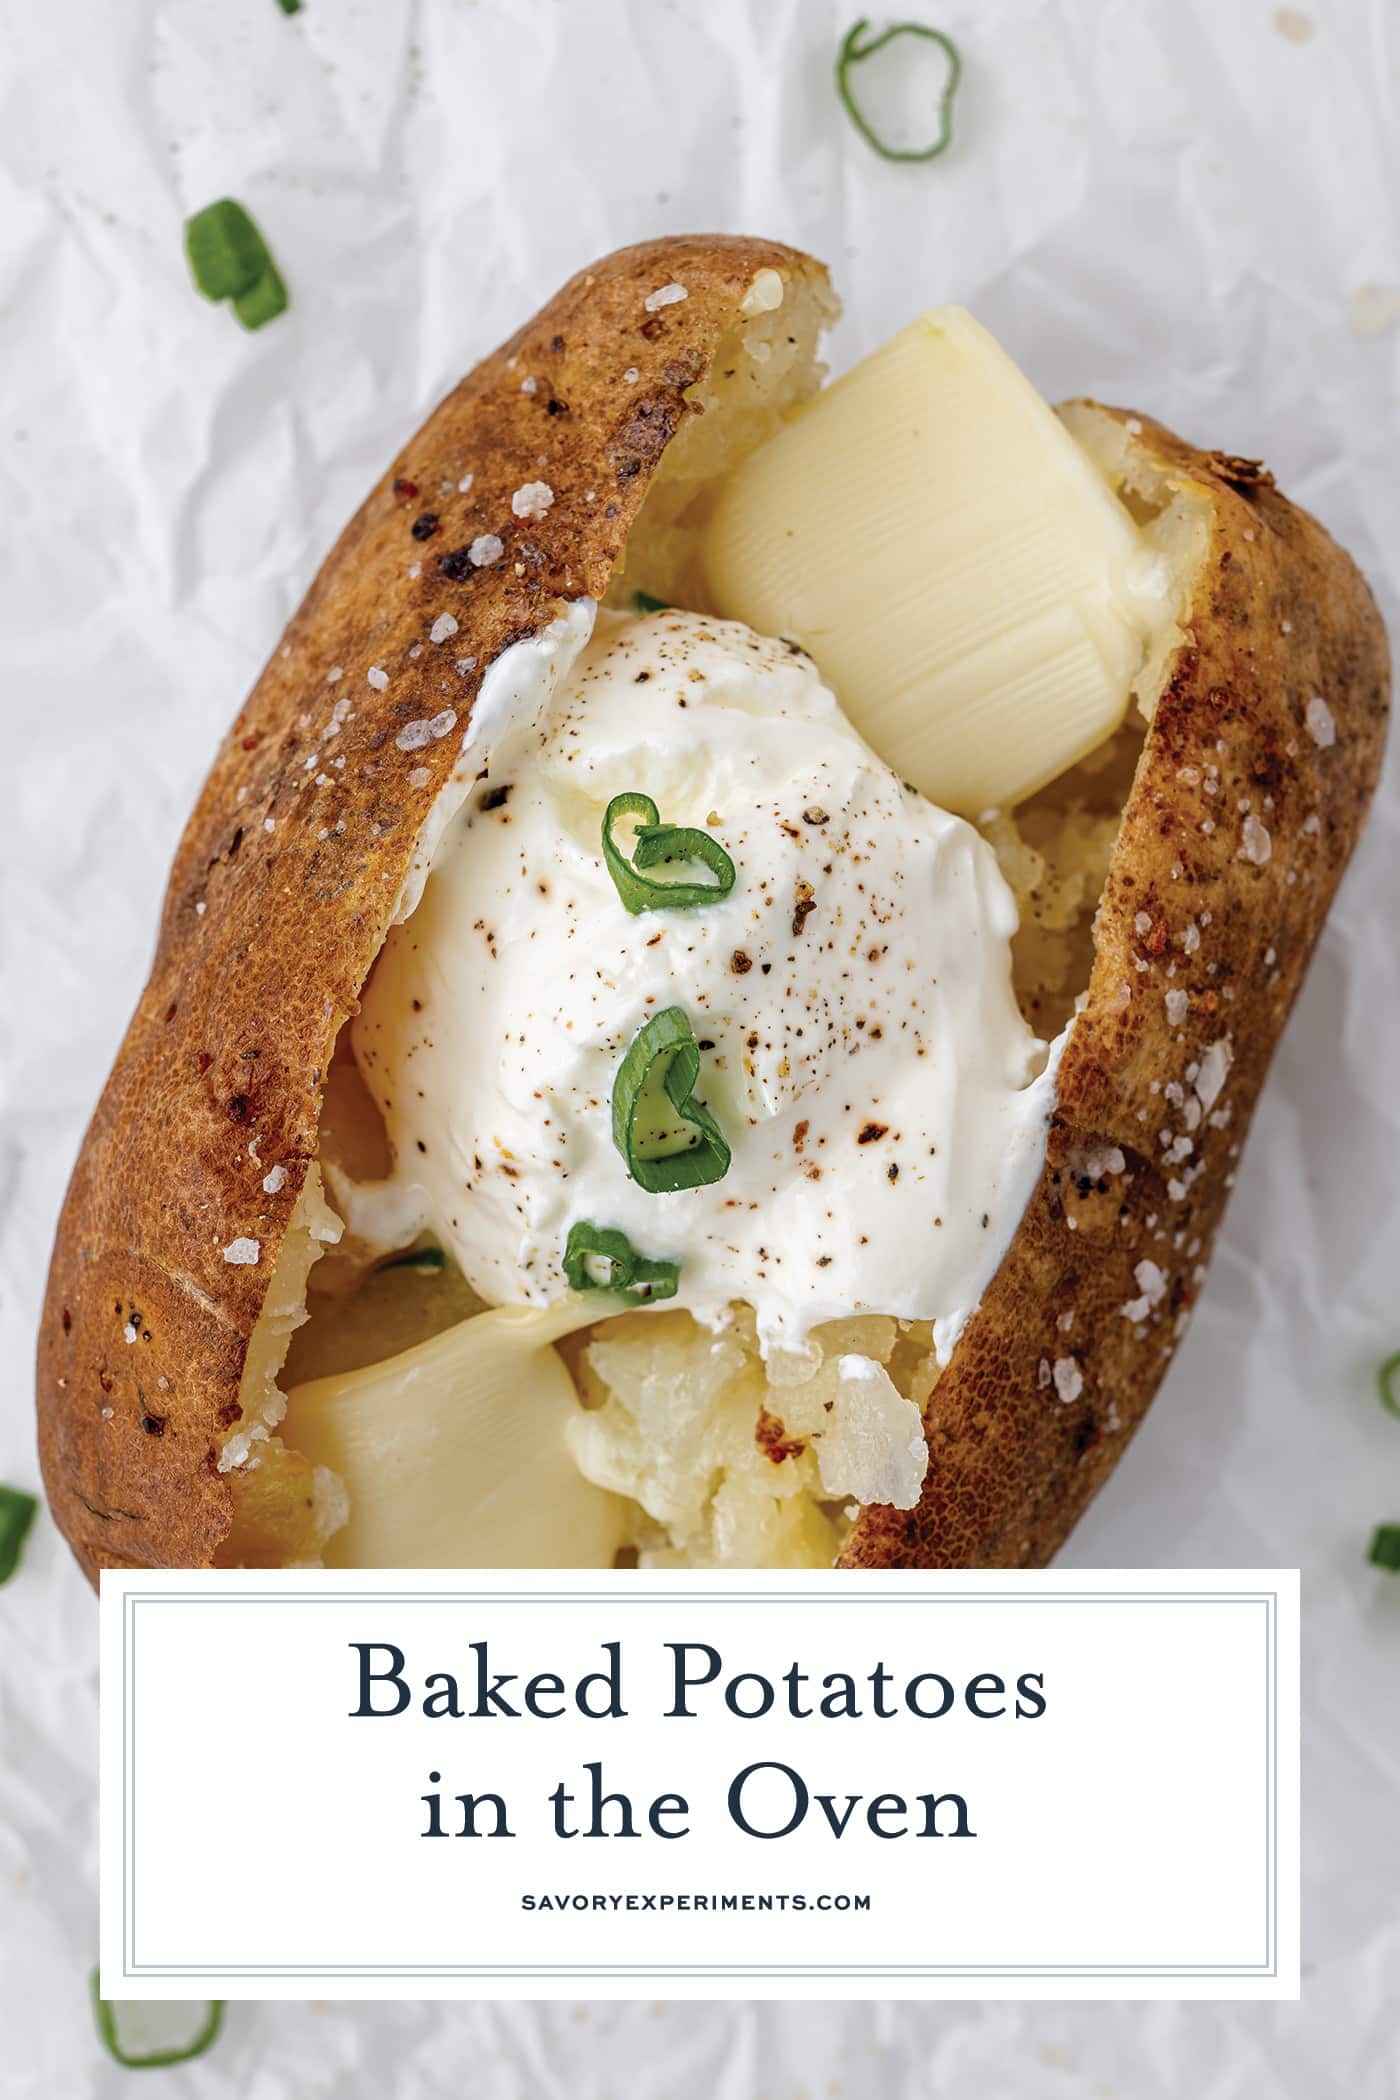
(454,1453)
(964,577)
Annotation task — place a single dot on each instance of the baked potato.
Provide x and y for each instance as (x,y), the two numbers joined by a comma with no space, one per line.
(1171,882)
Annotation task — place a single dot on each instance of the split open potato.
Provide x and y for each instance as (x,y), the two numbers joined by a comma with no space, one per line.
(1152,691)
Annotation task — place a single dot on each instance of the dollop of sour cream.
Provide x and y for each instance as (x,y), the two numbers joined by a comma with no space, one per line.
(861,1048)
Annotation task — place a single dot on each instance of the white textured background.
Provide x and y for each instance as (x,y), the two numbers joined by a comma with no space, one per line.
(1189,205)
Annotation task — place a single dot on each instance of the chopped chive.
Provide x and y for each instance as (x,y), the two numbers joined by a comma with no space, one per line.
(226,252)
(104,2011)
(229,259)
(1388,1381)
(668,1139)
(263,302)
(428,1260)
(644,602)
(16,1515)
(1385,1548)
(660,845)
(290,7)
(852,53)
(599,1258)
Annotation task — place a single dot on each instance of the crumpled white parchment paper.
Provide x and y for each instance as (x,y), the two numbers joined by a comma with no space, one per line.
(1189,205)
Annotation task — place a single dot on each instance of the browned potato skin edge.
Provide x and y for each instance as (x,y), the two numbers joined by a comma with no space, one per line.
(229,1045)
(233,1034)
(1281,614)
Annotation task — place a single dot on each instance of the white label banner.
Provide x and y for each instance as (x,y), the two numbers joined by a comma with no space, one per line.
(530,1785)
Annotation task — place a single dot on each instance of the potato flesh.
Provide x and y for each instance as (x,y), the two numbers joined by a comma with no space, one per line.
(728,1461)
(966,580)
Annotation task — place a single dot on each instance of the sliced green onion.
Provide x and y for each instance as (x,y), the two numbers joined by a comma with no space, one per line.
(599,1258)
(16,1515)
(104,2010)
(1385,1548)
(658,845)
(429,1259)
(852,53)
(1388,1381)
(668,1139)
(644,602)
(227,254)
(290,7)
(229,259)
(263,302)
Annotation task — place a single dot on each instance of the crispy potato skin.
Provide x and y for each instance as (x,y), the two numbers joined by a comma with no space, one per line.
(1281,615)
(283,889)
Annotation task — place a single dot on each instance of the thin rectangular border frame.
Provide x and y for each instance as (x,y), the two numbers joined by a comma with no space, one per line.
(133,1970)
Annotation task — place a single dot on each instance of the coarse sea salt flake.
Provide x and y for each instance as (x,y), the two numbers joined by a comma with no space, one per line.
(1098,1160)
(1322,724)
(1176,1004)
(1215,1068)
(485,548)
(242,1253)
(764,295)
(274,1181)
(378,677)
(665,295)
(1153,1284)
(442,627)
(415,736)
(1256,844)
(532,499)
(1069,1379)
